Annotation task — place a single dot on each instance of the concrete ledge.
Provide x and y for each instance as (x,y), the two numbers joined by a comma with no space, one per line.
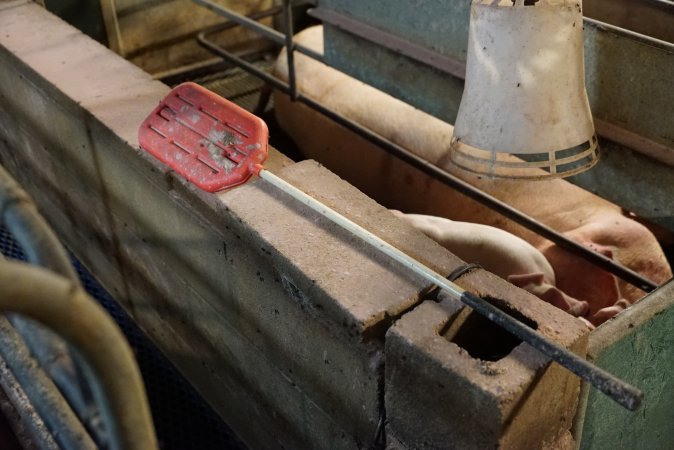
(453,380)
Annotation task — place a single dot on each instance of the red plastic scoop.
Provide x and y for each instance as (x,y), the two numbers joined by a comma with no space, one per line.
(215,144)
(211,142)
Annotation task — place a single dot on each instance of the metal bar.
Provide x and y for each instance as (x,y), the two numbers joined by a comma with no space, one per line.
(441,175)
(115,41)
(272,35)
(290,48)
(623,393)
(29,428)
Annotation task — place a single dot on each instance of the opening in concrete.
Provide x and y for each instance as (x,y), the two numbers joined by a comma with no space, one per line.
(481,337)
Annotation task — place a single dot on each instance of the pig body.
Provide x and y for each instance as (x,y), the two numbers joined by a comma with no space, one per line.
(498,251)
(570,210)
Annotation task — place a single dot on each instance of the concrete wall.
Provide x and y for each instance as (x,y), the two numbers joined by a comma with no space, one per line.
(297,334)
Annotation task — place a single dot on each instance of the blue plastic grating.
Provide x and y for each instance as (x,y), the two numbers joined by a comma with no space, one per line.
(181,417)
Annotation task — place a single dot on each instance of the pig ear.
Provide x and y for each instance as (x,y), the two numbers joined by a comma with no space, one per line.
(526,279)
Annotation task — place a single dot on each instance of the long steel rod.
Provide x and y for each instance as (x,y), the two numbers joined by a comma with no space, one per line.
(290,55)
(623,393)
(443,176)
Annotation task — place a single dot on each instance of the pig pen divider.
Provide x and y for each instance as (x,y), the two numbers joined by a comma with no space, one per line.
(412,159)
(215,144)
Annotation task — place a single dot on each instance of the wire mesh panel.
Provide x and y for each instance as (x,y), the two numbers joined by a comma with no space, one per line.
(181,417)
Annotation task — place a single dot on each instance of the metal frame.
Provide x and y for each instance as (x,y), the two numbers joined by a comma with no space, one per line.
(432,170)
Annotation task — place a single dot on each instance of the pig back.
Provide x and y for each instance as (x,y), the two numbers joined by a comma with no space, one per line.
(557,203)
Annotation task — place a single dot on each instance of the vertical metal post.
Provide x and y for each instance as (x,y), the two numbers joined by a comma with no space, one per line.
(290,48)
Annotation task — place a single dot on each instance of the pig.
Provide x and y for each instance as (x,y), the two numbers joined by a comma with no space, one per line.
(501,253)
(572,211)
(498,251)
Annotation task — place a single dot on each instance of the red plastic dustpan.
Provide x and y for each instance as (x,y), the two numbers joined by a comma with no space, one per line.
(215,144)
(211,142)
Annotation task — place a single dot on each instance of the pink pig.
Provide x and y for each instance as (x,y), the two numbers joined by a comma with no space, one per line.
(501,253)
(575,212)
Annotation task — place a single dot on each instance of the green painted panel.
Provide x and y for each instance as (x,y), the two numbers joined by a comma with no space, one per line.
(645,357)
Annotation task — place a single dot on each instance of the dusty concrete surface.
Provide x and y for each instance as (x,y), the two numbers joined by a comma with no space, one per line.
(277,318)
(455,381)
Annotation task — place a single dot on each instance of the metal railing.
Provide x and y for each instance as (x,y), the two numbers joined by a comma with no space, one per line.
(412,159)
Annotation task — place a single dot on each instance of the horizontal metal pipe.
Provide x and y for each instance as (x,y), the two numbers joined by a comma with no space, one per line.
(64,307)
(271,34)
(443,176)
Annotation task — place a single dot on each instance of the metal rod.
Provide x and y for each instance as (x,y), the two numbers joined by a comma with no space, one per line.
(272,35)
(290,52)
(443,176)
(29,428)
(623,393)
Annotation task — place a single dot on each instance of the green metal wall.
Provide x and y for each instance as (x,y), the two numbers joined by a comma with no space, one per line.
(644,356)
